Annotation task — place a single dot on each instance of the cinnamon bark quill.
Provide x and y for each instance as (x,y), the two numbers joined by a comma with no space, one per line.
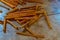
(13,25)
(37,36)
(12,6)
(47,20)
(4,7)
(4,25)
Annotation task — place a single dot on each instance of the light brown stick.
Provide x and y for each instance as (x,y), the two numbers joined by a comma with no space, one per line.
(30,31)
(47,20)
(18,18)
(25,24)
(13,25)
(35,19)
(31,21)
(21,14)
(4,25)
(37,36)
(12,6)
(22,22)
(12,10)
(37,7)
(4,7)
(10,17)
(18,21)
(24,18)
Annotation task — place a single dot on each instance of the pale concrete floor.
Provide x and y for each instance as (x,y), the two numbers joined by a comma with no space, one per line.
(39,27)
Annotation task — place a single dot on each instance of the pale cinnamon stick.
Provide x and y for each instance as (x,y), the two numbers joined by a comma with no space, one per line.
(12,6)
(47,20)
(4,25)
(37,36)
(13,25)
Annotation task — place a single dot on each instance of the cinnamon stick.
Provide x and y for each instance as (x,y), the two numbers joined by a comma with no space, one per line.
(12,6)
(13,25)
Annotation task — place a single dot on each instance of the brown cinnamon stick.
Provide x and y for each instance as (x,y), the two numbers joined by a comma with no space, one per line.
(4,25)
(47,20)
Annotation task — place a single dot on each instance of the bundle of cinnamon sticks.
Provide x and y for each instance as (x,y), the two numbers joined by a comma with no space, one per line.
(25,17)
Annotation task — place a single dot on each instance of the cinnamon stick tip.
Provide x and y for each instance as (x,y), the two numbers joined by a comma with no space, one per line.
(4,30)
